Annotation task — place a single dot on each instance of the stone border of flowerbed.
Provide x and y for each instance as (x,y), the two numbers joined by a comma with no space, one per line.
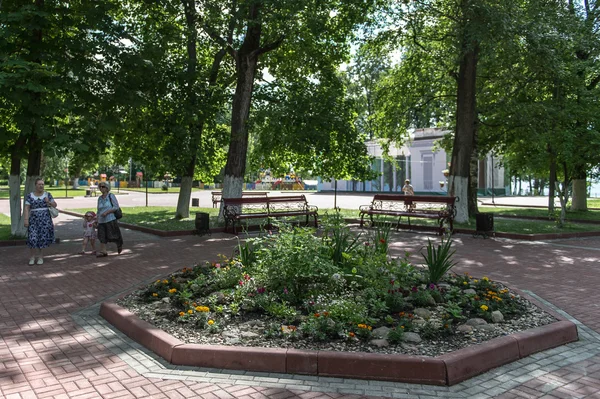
(448,369)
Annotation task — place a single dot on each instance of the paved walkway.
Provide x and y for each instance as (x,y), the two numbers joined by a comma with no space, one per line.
(53,344)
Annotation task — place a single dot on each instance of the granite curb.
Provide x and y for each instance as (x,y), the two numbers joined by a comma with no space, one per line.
(448,369)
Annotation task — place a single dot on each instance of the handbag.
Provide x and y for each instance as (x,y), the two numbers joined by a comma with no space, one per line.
(118,212)
(53,211)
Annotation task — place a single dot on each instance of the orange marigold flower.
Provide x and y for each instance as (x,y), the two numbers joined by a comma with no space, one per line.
(369,328)
(351,334)
(211,322)
(401,314)
(154,294)
(325,314)
(181,314)
(190,311)
(317,314)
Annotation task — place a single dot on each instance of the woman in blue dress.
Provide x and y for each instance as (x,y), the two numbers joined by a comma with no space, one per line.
(37,220)
(108,227)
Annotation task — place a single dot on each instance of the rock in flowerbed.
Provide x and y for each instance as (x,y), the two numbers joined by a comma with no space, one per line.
(337,292)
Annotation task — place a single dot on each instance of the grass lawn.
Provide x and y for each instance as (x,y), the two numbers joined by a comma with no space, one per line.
(57,192)
(5,227)
(154,190)
(538,212)
(162,218)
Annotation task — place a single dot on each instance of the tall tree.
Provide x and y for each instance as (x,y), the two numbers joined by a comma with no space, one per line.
(291,27)
(50,54)
(180,93)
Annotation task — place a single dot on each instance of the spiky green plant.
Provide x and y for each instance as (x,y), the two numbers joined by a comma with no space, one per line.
(439,260)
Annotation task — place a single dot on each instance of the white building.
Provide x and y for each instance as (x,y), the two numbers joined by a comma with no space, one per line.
(418,161)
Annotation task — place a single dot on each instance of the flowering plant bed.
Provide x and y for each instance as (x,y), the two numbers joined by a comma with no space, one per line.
(338,291)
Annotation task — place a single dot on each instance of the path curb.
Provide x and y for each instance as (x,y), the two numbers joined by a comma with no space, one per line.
(448,369)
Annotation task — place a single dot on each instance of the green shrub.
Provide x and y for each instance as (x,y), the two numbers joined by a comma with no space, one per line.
(439,260)
(395,335)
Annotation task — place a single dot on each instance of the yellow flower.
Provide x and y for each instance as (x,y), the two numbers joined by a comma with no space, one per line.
(475,281)
(369,328)
(165,281)
(484,308)
(211,322)
(485,278)
(202,309)
(190,311)
(172,290)
(154,294)
(465,283)
(362,326)
(181,314)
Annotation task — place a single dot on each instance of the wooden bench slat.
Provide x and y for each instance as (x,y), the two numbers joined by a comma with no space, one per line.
(237,209)
(217,196)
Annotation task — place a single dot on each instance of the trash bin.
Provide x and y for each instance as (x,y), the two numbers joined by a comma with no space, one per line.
(484,224)
(88,193)
(202,223)
(196,202)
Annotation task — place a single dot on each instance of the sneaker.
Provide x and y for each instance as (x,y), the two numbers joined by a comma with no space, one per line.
(31,261)
(81,252)
(40,261)
(93,253)
(119,249)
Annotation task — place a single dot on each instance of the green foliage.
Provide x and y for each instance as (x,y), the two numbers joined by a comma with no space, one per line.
(395,335)
(294,286)
(295,263)
(282,311)
(439,260)
(338,237)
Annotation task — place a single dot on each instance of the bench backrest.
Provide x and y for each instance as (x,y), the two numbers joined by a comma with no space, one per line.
(218,194)
(439,199)
(267,204)
(287,203)
(246,205)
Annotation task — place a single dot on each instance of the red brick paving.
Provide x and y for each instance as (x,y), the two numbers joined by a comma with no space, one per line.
(45,354)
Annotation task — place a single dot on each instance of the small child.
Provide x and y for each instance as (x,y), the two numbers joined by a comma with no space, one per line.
(89,231)
(408,188)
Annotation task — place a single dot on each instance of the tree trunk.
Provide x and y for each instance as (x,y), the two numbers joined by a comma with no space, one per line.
(466,120)
(14,188)
(552,184)
(473,179)
(579,200)
(198,119)
(246,61)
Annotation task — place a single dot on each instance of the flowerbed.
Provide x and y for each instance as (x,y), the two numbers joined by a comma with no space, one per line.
(337,290)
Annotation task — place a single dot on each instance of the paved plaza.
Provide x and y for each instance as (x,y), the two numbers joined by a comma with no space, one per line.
(53,344)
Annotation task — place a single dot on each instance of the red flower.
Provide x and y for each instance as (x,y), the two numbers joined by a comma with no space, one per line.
(381,240)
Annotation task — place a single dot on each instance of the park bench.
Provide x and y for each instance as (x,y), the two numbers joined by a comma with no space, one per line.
(235,210)
(218,195)
(436,207)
